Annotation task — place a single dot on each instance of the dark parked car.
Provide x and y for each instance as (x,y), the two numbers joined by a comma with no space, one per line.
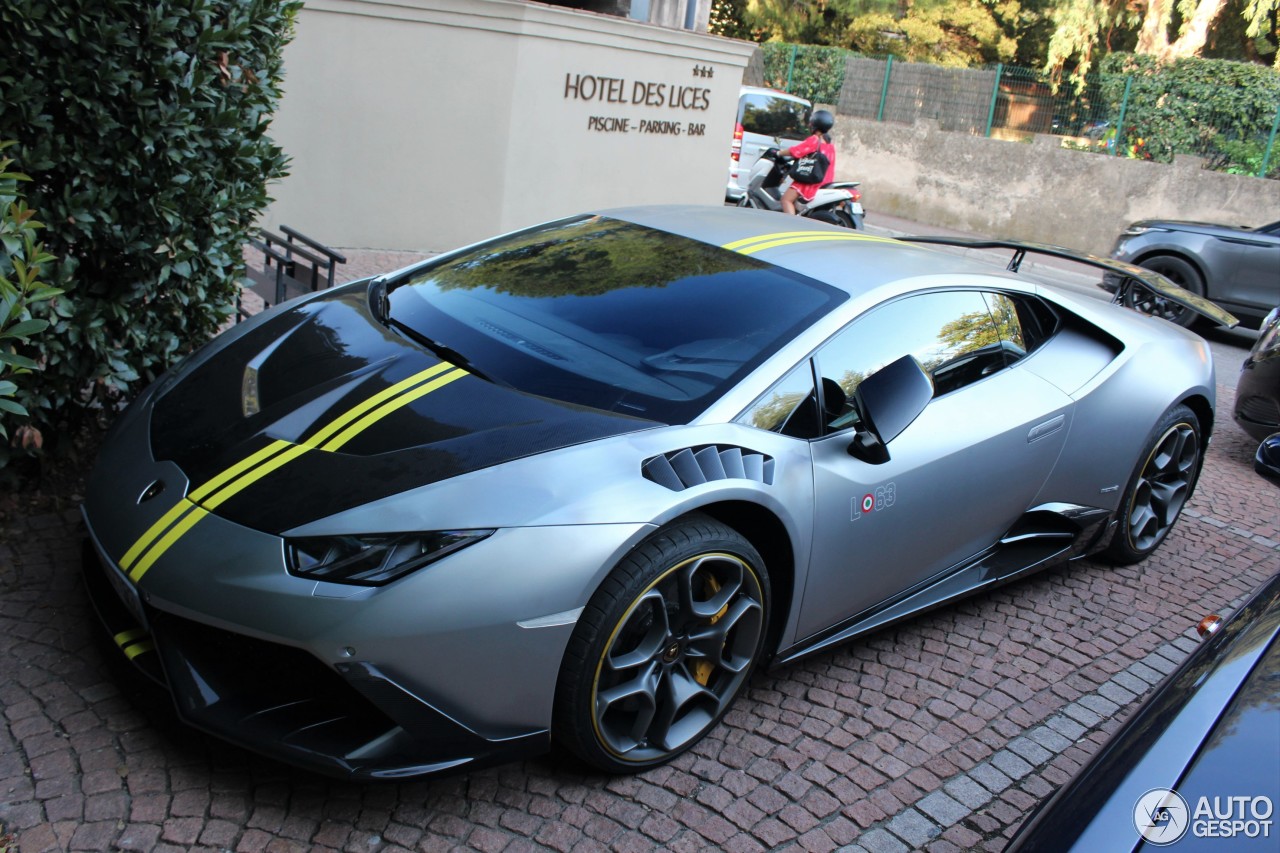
(1267,460)
(1195,763)
(1257,408)
(1236,267)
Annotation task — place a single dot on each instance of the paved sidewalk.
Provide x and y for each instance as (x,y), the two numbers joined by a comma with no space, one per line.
(939,734)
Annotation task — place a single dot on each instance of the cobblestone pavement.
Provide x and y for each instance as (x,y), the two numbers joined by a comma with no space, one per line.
(938,734)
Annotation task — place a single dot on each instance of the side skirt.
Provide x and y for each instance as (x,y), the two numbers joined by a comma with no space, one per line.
(1045,536)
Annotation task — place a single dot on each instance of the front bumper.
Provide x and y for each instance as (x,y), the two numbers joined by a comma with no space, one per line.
(451,667)
(348,720)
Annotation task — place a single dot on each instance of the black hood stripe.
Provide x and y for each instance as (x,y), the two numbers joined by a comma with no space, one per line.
(174,524)
(148,549)
(385,409)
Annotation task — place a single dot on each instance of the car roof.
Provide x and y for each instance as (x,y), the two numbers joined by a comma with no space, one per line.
(853,261)
(777,93)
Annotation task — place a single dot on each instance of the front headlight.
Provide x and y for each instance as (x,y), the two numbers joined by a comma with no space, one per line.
(374,560)
(1135,230)
(1268,342)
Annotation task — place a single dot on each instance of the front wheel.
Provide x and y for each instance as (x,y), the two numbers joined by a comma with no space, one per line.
(1159,488)
(663,648)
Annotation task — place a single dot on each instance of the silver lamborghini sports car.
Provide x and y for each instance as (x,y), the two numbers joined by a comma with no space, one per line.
(569,486)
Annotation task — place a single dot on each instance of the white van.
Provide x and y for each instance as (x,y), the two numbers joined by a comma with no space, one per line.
(767,118)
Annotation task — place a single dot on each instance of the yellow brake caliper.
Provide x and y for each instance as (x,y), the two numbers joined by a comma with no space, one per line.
(702,669)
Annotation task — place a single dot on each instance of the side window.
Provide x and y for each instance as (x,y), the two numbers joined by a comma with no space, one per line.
(1037,322)
(1004,313)
(789,408)
(952,334)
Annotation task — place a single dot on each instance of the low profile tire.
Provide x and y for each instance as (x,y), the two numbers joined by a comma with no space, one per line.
(663,647)
(1159,488)
(1180,273)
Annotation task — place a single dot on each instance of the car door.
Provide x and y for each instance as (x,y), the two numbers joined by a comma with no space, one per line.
(957,478)
(1252,268)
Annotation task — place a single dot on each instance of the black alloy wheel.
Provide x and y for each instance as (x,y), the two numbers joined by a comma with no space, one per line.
(1160,488)
(663,648)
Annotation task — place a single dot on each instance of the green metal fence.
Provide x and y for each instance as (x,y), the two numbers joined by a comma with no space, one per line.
(1109,115)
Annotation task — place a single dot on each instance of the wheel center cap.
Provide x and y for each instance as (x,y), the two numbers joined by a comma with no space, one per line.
(671,652)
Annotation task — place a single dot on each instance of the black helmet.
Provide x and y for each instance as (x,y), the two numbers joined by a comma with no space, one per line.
(822,121)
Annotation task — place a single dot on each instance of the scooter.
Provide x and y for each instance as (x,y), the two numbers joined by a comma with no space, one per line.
(839,203)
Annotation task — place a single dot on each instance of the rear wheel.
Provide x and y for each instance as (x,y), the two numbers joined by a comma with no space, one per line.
(829,216)
(663,647)
(1178,271)
(1159,488)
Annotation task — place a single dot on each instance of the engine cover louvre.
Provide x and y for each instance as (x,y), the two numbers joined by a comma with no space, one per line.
(692,466)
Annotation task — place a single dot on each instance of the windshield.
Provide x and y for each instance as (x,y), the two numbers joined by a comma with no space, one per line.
(607,314)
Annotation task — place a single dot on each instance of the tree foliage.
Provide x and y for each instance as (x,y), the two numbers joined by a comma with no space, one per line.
(1062,35)
(963,34)
(1164,29)
(22,262)
(948,32)
(145,126)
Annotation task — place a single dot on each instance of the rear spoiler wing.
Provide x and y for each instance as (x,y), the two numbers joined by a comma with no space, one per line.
(1130,276)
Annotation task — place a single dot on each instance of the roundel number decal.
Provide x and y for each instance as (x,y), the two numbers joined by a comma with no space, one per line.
(882,498)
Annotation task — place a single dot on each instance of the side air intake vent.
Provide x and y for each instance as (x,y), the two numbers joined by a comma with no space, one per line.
(693,466)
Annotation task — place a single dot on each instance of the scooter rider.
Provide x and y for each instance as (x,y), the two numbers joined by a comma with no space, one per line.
(820,123)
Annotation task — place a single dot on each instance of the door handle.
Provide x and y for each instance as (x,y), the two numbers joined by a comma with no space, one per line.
(1049,427)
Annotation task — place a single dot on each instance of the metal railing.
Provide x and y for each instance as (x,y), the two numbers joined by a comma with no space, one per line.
(1104,116)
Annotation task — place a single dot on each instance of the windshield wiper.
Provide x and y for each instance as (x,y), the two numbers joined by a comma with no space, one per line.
(443,350)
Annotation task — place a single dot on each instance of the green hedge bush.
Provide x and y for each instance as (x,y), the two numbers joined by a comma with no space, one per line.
(22,263)
(813,72)
(1215,108)
(145,128)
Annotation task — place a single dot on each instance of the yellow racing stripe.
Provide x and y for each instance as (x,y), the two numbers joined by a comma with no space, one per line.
(776,235)
(389,407)
(237,469)
(124,638)
(175,523)
(163,544)
(250,477)
(774,241)
(145,540)
(382,396)
(134,642)
(136,649)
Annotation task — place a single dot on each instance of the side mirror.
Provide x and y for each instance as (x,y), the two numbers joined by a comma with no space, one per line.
(888,401)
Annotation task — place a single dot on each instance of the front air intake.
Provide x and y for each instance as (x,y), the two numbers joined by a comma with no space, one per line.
(693,466)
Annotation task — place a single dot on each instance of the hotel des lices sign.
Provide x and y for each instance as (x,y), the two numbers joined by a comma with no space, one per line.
(680,103)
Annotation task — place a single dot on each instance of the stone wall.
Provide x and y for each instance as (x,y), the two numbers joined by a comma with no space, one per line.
(1034,191)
